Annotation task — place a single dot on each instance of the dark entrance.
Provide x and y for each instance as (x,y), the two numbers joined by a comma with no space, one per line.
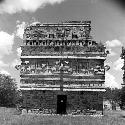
(61,104)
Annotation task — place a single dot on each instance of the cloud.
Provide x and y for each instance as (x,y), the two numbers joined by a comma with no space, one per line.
(113,43)
(19,51)
(20,29)
(110,81)
(118,64)
(6,43)
(14,6)
(2,64)
(111,53)
(15,62)
(2,71)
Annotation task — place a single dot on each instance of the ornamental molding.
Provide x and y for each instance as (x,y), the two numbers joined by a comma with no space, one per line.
(66,57)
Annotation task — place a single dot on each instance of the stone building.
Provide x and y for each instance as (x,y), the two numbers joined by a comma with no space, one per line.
(123,84)
(123,68)
(62,68)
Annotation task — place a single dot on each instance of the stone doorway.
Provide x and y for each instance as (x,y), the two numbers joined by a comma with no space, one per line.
(61,104)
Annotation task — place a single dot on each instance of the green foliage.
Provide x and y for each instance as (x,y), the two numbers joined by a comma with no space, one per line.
(113,95)
(123,97)
(8,91)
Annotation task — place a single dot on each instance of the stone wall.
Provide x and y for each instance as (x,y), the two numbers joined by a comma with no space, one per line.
(75,100)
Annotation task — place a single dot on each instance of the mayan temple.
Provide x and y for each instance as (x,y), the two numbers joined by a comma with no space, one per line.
(123,68)
(123,83)
(62,67)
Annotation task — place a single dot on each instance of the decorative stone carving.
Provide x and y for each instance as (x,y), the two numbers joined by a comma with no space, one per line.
(123,53)
(57,32)
(57,66)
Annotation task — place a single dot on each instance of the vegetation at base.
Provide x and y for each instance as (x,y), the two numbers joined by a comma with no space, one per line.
(9,94)
(116,96)
(113,94)
(123,98)
(8,116)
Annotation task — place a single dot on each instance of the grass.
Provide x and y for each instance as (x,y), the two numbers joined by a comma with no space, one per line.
(12,117)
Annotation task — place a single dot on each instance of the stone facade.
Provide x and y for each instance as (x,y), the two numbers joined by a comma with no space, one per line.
(123,68)
(62,67)
(76,100)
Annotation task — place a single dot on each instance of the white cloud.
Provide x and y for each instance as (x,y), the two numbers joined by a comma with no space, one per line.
(110,81)
(14,6)
(2,71)
(2,64)
(111,53)
(113,43)
(6,43)
(108,63)
(15,62)
(20,29)
(118,64)
(19,51)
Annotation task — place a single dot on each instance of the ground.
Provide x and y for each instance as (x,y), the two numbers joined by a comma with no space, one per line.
(9,116)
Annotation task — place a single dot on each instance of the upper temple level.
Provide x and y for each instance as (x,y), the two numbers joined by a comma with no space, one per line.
(78,30)
(70,38)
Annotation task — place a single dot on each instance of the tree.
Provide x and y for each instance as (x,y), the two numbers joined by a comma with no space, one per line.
(8,91)
(113,95)
(123,97)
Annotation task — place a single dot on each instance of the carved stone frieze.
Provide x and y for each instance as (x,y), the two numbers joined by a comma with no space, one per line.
(58,31)
(67,67)
(51,50)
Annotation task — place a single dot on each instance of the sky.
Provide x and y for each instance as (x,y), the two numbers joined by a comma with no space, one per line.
(107,22)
